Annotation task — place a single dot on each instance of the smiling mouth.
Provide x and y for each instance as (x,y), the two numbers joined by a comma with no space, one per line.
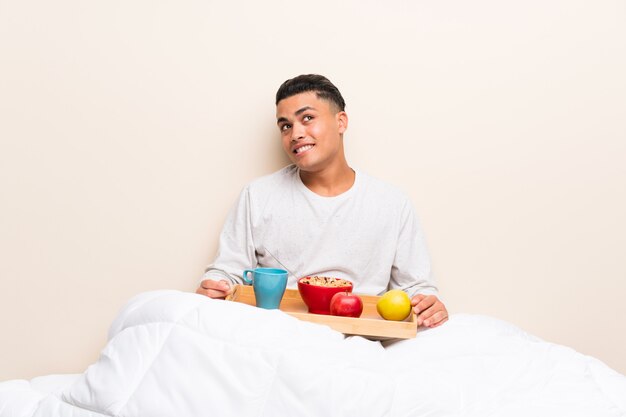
(302,149)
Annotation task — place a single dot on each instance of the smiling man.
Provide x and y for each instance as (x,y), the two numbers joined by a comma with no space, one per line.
(312,136)
(319,216)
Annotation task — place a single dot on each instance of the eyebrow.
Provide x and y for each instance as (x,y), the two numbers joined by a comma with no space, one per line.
(303,109)
(298,112)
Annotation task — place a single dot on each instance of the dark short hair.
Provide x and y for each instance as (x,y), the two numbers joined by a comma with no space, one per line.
(311,82)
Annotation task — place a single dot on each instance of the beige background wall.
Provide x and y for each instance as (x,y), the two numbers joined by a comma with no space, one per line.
(127,129)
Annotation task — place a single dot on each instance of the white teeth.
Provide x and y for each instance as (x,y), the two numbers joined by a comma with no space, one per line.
(304,148)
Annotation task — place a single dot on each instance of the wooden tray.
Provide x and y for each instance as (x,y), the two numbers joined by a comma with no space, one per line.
(370,325)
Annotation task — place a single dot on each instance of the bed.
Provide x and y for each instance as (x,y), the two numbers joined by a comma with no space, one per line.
(171,353)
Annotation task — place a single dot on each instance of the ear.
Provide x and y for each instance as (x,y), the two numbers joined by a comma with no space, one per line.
(342,121)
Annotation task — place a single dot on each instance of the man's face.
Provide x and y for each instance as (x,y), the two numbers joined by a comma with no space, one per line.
(311,130)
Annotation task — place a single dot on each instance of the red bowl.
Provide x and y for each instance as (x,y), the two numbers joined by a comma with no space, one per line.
(317,296)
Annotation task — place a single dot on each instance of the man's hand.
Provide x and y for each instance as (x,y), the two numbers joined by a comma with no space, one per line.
(214,289)
(430,311)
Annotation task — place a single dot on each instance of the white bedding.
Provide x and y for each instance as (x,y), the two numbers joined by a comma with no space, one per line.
(180,354)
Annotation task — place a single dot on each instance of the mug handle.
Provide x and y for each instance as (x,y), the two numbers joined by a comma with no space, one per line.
(245,276)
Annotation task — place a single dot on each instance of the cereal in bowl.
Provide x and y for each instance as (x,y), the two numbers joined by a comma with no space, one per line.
(325,281)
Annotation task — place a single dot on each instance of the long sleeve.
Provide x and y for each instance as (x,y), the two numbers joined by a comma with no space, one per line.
(369,235)
(236,250)
(411,269)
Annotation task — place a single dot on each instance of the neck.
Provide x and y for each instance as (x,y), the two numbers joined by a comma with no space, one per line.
(329,182)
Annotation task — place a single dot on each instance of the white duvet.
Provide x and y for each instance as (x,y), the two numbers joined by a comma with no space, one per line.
(180,354)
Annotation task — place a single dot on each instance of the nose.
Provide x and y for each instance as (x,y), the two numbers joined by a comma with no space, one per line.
(297,132)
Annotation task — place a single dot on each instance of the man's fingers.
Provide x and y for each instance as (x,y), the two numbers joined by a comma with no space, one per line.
(216,294)
(221,285)
(431,312)
(211,293)
(417,298)
(426,315)
(424,304)
(214,289)
(436,319)
(439,323)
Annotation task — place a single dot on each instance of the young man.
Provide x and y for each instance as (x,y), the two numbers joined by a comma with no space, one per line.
(321,217)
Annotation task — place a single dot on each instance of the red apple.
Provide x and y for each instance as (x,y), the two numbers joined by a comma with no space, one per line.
(346,304)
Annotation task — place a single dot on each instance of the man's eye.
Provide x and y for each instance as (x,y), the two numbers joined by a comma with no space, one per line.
(285,127)
(307,118)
